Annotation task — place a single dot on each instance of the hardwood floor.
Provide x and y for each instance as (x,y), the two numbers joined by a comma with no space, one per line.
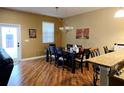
(41,73)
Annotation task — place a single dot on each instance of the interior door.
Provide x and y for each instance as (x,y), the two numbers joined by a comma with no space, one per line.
(10,40)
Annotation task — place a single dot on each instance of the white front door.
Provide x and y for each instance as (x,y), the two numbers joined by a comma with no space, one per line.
(9,40)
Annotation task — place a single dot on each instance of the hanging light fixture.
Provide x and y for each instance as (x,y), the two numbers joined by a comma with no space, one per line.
(119,13)
(64,28)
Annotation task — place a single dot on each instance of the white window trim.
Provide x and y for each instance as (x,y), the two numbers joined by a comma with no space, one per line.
(53,32)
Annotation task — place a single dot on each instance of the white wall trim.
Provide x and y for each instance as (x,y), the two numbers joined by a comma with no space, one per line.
(33,58)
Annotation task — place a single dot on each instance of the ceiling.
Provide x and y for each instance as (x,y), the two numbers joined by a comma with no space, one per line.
(61,12)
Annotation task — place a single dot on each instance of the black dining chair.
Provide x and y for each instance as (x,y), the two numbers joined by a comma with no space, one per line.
(52,44)
(87,55)
(59,56)
(69,46)
(52,53)
(70,56)
(79,59)
(106,50)
(79,46)
(95,52)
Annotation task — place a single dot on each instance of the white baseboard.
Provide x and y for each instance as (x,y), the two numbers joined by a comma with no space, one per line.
(32,58)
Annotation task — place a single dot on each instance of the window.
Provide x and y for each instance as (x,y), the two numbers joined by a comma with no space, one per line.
(48,32)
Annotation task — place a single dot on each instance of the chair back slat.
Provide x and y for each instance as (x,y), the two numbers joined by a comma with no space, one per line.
(106,50)
(94,52)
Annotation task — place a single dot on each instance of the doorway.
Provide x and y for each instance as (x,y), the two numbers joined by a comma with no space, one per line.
(10,40)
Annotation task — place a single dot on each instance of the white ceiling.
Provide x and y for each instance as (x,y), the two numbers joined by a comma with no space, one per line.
(59,12)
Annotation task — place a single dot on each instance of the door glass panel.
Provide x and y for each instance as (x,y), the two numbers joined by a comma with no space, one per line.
(9,40)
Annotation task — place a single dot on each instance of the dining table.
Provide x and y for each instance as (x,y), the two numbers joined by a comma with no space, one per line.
(106,62)
(69,55)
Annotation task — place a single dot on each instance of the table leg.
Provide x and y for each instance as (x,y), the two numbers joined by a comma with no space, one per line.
(104,76)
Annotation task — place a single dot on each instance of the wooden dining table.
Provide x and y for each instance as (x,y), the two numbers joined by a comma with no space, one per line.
(69,55)
(106,62)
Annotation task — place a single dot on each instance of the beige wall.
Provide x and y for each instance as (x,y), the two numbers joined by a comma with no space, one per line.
(104,28)
(34,47)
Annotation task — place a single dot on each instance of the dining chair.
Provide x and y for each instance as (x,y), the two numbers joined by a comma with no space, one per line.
(79,46)
(47,55)
(87,55)
(106,50)
(70,56)
(59,56)
(52,53)
(69,46)
(95,52)
(79,59)
(52,44)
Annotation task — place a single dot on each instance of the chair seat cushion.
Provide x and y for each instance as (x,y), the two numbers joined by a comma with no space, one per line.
(53,56)
(61,58)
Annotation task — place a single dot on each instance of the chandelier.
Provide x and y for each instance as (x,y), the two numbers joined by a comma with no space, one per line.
(64,28)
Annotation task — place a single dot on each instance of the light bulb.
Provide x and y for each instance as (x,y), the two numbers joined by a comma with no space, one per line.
(119,13)
(61,28)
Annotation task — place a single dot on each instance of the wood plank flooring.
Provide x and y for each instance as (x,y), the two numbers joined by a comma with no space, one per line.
(42,73)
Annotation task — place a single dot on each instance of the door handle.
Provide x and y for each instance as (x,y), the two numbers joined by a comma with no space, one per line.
(18,44)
